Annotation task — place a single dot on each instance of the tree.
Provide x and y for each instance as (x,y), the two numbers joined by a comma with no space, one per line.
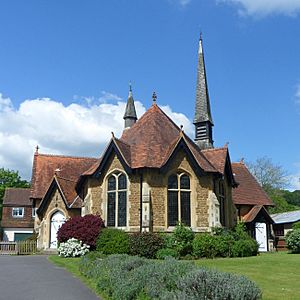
(269,175)
(10,178)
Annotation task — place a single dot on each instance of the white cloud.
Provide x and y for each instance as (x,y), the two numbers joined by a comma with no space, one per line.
(182,3)
(263,8)
(297,94)
(73,129)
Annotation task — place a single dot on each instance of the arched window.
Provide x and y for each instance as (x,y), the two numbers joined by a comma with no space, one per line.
(222,199)
(179,199)
(117,200)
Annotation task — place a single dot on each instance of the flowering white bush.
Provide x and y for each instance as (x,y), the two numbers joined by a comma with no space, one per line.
(73,248)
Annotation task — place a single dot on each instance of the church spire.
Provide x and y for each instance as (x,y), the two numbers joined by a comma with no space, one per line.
(130,113)
(203,119)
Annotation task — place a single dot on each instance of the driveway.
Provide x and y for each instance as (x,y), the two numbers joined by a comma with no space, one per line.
(35,278)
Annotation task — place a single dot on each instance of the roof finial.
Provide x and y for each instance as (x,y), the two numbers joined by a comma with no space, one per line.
(200,35)
(154,97)
(130,87)
(226,145)
(242,160)
(112,135)
(37,149)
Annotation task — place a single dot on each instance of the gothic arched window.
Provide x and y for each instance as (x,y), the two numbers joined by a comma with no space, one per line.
(117,200)
(179,199)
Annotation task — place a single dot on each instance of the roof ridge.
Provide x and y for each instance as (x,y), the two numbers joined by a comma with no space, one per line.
(66,156)
(214,149)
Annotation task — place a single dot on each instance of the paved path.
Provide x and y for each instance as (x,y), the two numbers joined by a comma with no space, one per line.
(35,278)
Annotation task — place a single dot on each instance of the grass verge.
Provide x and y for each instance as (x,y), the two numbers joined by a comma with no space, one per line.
(277,274)
(72,266)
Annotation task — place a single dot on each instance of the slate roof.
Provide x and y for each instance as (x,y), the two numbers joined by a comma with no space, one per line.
(249,192)
(45,166)
(17,196)
(286,217)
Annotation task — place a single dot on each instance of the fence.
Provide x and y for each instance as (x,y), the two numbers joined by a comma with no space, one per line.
(18,248)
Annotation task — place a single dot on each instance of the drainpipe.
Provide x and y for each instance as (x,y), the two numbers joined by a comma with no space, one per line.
(141,201)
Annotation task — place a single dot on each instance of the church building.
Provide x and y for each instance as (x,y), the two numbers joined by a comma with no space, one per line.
(148,179)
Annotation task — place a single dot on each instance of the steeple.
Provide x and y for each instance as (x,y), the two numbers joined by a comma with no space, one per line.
(203,119)
(130,113)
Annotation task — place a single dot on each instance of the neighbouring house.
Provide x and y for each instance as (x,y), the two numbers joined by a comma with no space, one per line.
(17,214)
(252,204)
(283,223)
(149,179)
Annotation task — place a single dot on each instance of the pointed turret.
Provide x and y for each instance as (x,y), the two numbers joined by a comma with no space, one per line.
(130,113)
(203,119)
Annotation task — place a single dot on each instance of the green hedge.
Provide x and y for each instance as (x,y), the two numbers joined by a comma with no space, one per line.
(112,241)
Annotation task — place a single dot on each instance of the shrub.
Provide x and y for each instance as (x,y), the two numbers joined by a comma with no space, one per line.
(243,248)
(113,241)
(214,285)
(124,277)
(296,225)
(145,244)
(205,245)
(293,241)
(73,248)
(165,252)
(85,229)
(181,239)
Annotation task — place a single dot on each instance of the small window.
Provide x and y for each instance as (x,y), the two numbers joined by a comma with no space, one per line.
(34,212)
(18,212)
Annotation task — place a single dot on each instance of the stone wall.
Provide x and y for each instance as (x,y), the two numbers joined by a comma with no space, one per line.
(55,203)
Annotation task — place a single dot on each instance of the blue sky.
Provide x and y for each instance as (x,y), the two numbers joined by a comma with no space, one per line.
(65,67)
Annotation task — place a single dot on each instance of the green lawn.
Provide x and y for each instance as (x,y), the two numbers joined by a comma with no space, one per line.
(277,274)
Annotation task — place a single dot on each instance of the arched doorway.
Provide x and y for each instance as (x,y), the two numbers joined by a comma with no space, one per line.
(57,220)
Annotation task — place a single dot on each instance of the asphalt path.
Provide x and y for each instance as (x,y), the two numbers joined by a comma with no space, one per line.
(35,278)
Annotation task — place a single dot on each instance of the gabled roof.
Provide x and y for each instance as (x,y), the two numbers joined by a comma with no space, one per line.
(153,138)
(150,143)
(66,188)
(220,159)
(217,156)
(17,196)
(45,166)
(249,192)
(286,217)
(254,212)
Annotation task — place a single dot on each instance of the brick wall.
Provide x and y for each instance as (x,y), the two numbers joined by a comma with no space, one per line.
(9,221)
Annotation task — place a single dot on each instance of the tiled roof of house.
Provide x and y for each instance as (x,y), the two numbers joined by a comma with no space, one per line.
(149,142)
(249,192)
(45,166)
(17,196)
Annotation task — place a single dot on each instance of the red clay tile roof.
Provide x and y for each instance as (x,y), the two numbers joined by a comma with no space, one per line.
(44,167)
(151,140)
(255,210)
(67,187)
(217,157)
(17,196)
(249,192)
